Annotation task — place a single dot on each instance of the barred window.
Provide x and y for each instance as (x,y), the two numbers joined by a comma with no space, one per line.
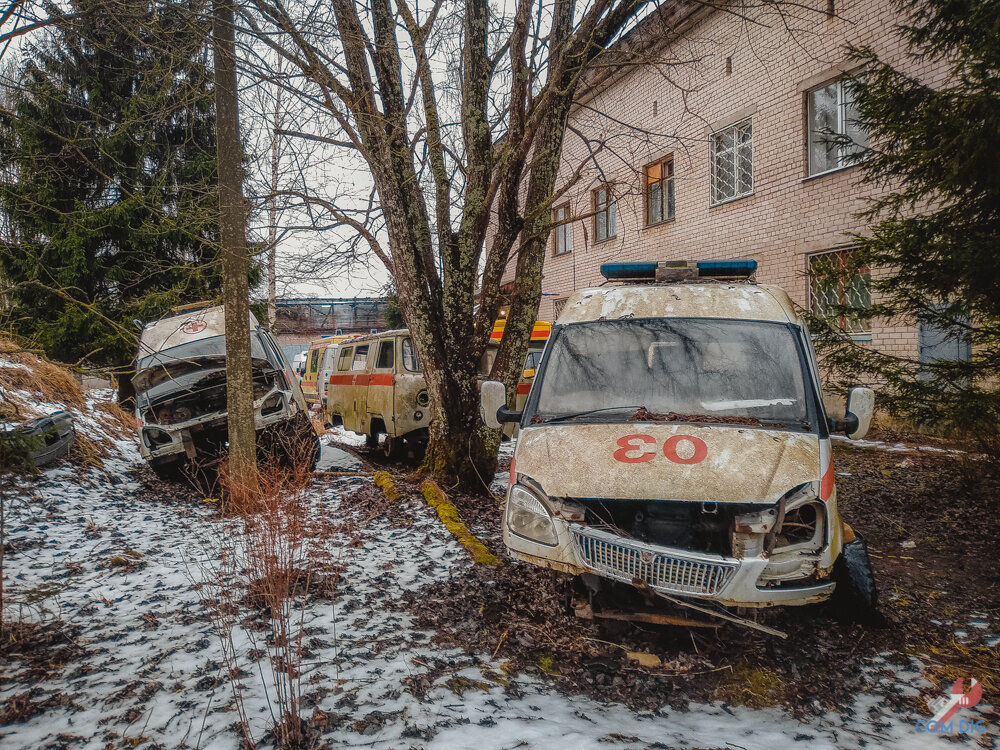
(562,233)
(605,214)
(660,191)
(837,279)
(834,131)
(732,162)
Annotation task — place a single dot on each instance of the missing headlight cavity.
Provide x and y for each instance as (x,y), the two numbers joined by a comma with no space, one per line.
(698,527)
(799,526)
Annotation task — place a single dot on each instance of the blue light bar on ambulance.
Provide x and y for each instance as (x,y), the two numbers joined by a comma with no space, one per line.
(678,269)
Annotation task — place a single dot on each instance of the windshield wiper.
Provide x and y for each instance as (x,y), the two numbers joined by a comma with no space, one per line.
(574,415)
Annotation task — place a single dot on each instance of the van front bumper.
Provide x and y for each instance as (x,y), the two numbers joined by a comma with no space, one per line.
(665,570)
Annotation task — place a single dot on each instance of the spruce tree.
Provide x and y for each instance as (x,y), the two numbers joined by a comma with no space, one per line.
(112,202)
(935,229)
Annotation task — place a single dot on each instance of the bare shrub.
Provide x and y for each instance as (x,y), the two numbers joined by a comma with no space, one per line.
(268,560)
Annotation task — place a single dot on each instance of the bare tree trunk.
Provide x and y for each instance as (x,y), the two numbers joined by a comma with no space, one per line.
(234,254)
(272,216)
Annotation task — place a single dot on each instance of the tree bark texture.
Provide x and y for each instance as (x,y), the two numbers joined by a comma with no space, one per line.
(234,254)
(437,255)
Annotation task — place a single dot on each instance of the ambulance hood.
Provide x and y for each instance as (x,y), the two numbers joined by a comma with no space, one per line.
(649,461)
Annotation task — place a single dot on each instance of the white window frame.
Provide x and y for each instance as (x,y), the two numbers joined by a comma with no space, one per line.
(735,152)
(562,235)
(844,150)
(610,210)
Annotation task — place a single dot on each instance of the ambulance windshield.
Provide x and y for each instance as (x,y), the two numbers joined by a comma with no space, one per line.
(680,366)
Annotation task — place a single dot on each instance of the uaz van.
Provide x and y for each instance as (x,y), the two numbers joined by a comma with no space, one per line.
(675,441)
(377,388)
(319,364)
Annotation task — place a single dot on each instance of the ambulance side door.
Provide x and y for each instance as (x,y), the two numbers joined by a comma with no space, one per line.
(381,385)
(338,398)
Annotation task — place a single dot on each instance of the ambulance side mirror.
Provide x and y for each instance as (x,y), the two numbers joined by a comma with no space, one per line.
(860,408)
(493,405)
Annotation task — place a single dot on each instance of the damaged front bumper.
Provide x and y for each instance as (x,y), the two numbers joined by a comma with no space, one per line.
(165,443)
(797,576)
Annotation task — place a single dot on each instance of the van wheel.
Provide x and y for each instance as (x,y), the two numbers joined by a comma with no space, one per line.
(855,599)
(392,447)
(371,440)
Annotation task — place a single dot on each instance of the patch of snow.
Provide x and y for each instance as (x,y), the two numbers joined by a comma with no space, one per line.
(895,447)
(150,646)
(7,364)
(338,434)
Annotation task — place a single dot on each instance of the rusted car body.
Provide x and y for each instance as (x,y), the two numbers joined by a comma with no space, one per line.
(377,388)
(180,384)
(675,440)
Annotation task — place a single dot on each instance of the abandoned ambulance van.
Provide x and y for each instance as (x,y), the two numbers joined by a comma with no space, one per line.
(674,444)
(536,344)
(310,372)
(377,388)
(180,385)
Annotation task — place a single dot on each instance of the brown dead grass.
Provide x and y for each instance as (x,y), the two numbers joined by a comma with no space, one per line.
(45,380)
(116,420)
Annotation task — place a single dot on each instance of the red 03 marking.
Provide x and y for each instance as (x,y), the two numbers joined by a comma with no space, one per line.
(636,446)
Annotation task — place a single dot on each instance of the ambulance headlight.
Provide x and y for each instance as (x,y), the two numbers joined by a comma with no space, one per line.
(527,516)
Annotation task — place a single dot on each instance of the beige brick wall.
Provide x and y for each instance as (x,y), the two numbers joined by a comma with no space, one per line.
(789,215)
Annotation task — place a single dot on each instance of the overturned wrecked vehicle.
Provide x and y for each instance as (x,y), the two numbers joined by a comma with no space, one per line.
(675,444)
(180,384)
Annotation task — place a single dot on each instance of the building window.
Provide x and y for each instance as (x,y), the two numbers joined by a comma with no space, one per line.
(605,214)
(732,162)
(660,191)
(834,131)
(836,279)
(562,232)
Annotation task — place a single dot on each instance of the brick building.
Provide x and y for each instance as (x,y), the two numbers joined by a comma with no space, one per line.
(708,137)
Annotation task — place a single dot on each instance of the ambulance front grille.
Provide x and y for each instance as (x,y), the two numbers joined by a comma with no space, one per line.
(669,571)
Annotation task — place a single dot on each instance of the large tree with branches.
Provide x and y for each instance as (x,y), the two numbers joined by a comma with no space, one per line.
(463,151)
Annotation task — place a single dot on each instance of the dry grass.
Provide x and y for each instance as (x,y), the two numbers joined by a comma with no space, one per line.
(115,419)
(44,380)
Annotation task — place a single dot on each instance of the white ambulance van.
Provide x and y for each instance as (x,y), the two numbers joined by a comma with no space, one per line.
(675,441)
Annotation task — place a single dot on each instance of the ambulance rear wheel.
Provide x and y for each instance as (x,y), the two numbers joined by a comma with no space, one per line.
(371,440)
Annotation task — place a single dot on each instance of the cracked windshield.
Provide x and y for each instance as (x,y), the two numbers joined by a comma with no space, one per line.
(686,367)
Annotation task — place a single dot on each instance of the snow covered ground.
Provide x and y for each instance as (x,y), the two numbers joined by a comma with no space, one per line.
(109,551)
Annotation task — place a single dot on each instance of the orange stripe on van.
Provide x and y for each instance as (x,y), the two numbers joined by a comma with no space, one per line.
(362,378)
(826,483)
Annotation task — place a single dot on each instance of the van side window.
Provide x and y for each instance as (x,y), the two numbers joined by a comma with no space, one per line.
(313,359)
(360,358)
(410,361)
(346,355)
(385,359)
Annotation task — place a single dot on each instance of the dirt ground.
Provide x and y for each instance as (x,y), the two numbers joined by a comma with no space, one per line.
(926,516)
